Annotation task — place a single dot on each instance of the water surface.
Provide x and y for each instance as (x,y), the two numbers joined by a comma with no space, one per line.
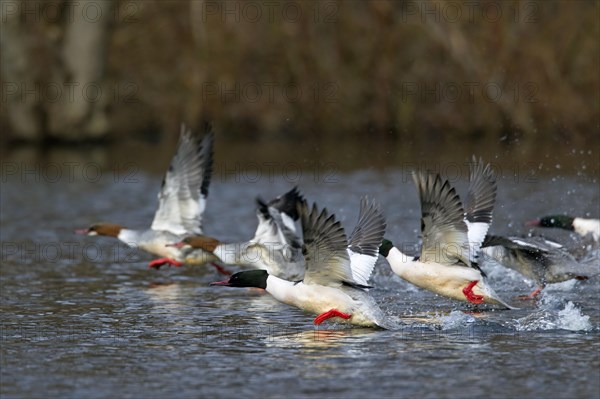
(85,317)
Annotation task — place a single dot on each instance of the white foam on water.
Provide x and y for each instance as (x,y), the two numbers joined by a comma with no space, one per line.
(552,317)
(571,318)
(456,319)
(563,286)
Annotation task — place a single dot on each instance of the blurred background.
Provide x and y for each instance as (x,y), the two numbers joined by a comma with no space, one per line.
(342,99)
(406,78)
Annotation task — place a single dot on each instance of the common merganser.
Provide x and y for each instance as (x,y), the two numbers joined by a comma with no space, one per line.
(337,269)
(182,200)
(581,226)
(544,261)
(275,247)
(446,265)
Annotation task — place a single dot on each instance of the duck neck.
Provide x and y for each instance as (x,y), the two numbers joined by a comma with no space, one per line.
(280,288)
(130,237)
(398,261)
(230,253)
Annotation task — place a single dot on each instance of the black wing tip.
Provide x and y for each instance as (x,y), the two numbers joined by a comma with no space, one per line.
(206,149)
(356,285)
(491,240)
(208,141)
(288,203)
(482,216)
(475,266)
(207,127)
(263,208)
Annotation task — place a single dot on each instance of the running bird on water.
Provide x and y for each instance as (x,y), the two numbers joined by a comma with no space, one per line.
(451,237)
(542,260)
(182,200)
(275,246)
(337,269)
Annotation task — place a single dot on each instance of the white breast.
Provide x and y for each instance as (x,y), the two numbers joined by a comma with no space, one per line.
(445,280)
(318,299)
(584,227)
(312,298)
(151,241)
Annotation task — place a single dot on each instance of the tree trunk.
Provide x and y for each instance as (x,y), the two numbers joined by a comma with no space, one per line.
(52,69)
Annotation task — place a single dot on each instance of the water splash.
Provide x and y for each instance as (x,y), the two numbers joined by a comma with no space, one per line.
(565,286)
(549,317)
(571,318)
(456,319)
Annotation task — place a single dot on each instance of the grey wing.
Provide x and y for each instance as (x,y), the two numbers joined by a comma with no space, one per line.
(540,245)
(481,196)
(537,248)
(364,241)
(324,249)
(182,198)
(501,244)
(479,206)
(445,236)
(543,260)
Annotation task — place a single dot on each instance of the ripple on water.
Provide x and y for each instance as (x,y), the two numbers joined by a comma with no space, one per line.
(92,326)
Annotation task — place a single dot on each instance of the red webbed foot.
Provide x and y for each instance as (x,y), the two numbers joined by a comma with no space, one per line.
(533,295)
(329,314)
(157,263)
(470,295)
(221,269)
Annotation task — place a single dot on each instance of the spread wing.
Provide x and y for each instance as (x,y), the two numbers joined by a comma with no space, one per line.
(479,206)
(536,252)
(287,206)
(324,249)
(535,246)
(364,242)
(445,237)
(182,198)
(272,228)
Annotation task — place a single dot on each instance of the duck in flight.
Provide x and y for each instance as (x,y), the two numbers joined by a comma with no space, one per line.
(275,246)
(542,260)
(181,200)
(337,270)
(452,237)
